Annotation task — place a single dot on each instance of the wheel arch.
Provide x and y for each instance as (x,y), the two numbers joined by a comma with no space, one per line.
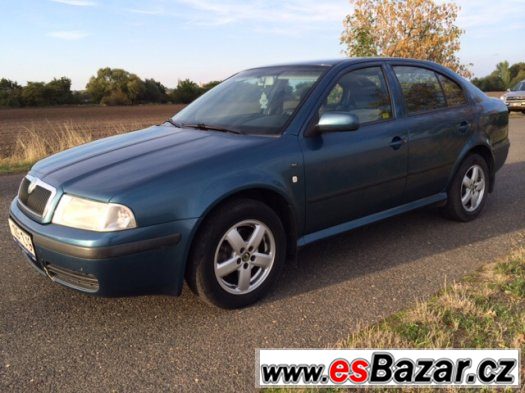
(484,151)
(278,202)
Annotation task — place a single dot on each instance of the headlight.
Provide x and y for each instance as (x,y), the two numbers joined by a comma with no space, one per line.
(83,213)
(503,98)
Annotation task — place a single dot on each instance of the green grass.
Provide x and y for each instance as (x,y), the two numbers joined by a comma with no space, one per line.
(484,310)
(15,167)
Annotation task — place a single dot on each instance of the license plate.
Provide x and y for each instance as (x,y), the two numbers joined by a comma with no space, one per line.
(22,238)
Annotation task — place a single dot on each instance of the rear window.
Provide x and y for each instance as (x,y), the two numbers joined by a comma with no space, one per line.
(421,89)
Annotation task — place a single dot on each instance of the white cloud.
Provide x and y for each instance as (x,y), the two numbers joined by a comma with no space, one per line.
(69,35)
(272,11)
(78,3)
(156,11)
(276,17)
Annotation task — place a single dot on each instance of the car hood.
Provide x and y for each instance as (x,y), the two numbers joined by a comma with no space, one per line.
(108,166)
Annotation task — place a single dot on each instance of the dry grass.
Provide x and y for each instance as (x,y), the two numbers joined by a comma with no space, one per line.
(32,145)
(485,310)
(28,134)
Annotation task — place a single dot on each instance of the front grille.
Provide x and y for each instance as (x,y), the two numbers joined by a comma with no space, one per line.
(516,98)
(77,280)
(37,199)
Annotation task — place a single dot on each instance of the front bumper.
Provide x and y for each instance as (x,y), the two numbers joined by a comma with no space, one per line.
(133,262)
(517,105)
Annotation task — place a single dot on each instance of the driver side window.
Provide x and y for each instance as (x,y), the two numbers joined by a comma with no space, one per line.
(362,93)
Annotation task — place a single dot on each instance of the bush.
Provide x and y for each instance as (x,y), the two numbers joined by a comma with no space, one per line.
(489,83)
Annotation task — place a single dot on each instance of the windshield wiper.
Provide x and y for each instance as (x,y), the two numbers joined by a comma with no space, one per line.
(173,123)
(202,126)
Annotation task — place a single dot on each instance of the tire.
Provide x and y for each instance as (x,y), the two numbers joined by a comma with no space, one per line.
(222,268)
(476,186)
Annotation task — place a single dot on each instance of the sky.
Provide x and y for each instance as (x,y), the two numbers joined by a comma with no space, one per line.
(208,40)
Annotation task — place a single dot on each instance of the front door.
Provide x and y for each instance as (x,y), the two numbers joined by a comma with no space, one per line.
(352,174)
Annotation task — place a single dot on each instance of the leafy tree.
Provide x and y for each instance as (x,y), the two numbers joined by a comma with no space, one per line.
(420,29)
(10,93)
(208,86)
(116,82)
(502,77)
(517,73)
(186,92)
(58,92)
(153,92)
(35,94)
(489,83)
(503,72)
(81,97)
(520,77)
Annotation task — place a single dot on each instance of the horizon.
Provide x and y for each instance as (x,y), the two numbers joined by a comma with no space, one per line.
(74,38)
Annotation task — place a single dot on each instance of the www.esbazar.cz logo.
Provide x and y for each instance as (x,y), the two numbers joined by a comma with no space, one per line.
(443,367)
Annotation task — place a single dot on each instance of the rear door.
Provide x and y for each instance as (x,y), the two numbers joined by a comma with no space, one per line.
(439,119)
(352,174)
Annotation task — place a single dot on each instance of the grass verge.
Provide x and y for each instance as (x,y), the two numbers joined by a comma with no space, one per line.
(484,310)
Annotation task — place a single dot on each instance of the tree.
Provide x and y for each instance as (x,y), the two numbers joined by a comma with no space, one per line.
(34,94)
(419,29)
(503,72)
(115,83)
(186,92)
(517,73)
(503,77)
(208,86)
(489,83)
(10,93)
(58,91)
(153,92)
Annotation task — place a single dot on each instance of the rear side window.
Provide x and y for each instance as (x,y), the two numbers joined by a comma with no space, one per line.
(453,92)
(421,89)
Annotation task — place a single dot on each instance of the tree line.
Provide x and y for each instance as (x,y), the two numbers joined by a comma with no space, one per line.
(502,78)
(110,86)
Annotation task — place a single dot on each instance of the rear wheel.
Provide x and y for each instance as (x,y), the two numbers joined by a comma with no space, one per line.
(237,255)
(469,189)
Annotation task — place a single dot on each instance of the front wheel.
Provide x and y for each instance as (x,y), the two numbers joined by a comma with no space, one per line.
(469,189)
(237,254)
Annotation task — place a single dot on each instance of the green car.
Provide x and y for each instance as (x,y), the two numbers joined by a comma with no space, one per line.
(224,193)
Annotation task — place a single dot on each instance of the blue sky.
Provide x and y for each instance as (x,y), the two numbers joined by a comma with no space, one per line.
(210,39)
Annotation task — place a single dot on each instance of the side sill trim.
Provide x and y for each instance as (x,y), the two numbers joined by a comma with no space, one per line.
(109,251)
(359,222)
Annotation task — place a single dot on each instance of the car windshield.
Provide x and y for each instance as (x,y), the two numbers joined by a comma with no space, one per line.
(520,86)
(259,101)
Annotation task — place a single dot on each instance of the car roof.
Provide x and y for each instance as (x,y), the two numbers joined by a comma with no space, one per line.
(348,61)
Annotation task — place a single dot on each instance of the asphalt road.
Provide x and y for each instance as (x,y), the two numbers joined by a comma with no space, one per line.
(54,339)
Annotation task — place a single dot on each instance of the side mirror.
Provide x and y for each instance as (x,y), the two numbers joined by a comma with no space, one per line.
(337,121)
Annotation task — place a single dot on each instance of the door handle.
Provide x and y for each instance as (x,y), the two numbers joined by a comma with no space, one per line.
(397,142)
(463,126)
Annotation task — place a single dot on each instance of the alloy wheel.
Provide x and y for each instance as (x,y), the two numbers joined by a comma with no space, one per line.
(244,257)
(473,188)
